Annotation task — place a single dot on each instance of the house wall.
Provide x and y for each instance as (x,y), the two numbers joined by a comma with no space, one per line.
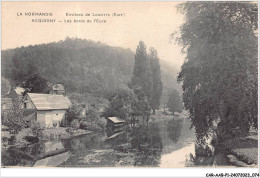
(48,118)
(41,117)
(29,104)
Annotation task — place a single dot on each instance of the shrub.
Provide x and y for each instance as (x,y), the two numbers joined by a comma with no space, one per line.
(37,129)
(13,119)
(75,124)
(95,127)
(84,125)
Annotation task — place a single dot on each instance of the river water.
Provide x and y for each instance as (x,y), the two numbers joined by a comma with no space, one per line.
(165,143)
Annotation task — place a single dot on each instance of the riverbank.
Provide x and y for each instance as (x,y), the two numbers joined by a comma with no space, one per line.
(63,133)
(161,115)
(26,137)
(242,152)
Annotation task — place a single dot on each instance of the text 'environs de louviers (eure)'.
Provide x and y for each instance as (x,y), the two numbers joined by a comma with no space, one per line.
(48,17)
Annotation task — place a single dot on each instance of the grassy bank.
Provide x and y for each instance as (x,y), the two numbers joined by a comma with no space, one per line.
(243,149)
(161,115)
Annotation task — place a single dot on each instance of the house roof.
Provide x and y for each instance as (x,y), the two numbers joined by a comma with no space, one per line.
(49,101)
(7,102)
(58,87)
(116,120)
(19,90)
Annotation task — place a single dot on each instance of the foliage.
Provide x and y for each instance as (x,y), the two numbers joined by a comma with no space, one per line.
(75,124)
(220,72)
(92,115)
(35,83)
(13,118)
(73,113)
(146,81)
(98,101)
(84,67)
(156,80)
(142,75)
(102,122)
(5,87)
(37,129)
(174,102)
(120,103)
(141,105)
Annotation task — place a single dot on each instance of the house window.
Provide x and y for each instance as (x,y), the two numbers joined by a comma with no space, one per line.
(24,105)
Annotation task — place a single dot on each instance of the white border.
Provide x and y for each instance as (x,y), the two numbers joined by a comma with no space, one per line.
(120,172)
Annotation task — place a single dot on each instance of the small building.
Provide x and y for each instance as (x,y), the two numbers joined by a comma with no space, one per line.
(50,109)
(58,89)
(6,104)
(114,125)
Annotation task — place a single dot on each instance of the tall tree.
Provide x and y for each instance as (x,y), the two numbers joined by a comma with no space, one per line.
(156,80)
(142,75)
(174,102)
(92,115)
(220,42)
(141,105)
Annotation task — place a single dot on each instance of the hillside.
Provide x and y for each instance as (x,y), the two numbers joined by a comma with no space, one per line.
(82,66)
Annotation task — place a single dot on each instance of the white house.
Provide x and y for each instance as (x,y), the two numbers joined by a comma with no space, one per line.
(50,109)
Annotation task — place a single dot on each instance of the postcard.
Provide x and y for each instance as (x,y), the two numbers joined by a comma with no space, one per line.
(130,85)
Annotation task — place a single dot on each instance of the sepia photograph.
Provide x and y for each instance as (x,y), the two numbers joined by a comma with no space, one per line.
(129,85)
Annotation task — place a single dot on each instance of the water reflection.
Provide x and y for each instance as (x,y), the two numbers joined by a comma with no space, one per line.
(139,146)
(148,142)
(174,128)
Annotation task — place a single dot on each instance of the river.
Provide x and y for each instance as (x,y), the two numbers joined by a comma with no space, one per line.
(165,143)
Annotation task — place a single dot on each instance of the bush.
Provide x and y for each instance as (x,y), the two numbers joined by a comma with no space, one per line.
(13,119)
(37,129)
(75,124)
(84,125)
(102,122)
(95,127)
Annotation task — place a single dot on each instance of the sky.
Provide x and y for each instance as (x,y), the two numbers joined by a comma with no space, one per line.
(151,22)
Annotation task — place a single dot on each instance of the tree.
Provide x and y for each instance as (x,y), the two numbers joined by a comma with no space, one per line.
(73,113)
(156,80)
(13,118)
(92,115)
(35,83)
(220,42)
(174,102)
(75,124)
(5,87)
(142,75)
(120,103)
(37,130)
(140,105)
